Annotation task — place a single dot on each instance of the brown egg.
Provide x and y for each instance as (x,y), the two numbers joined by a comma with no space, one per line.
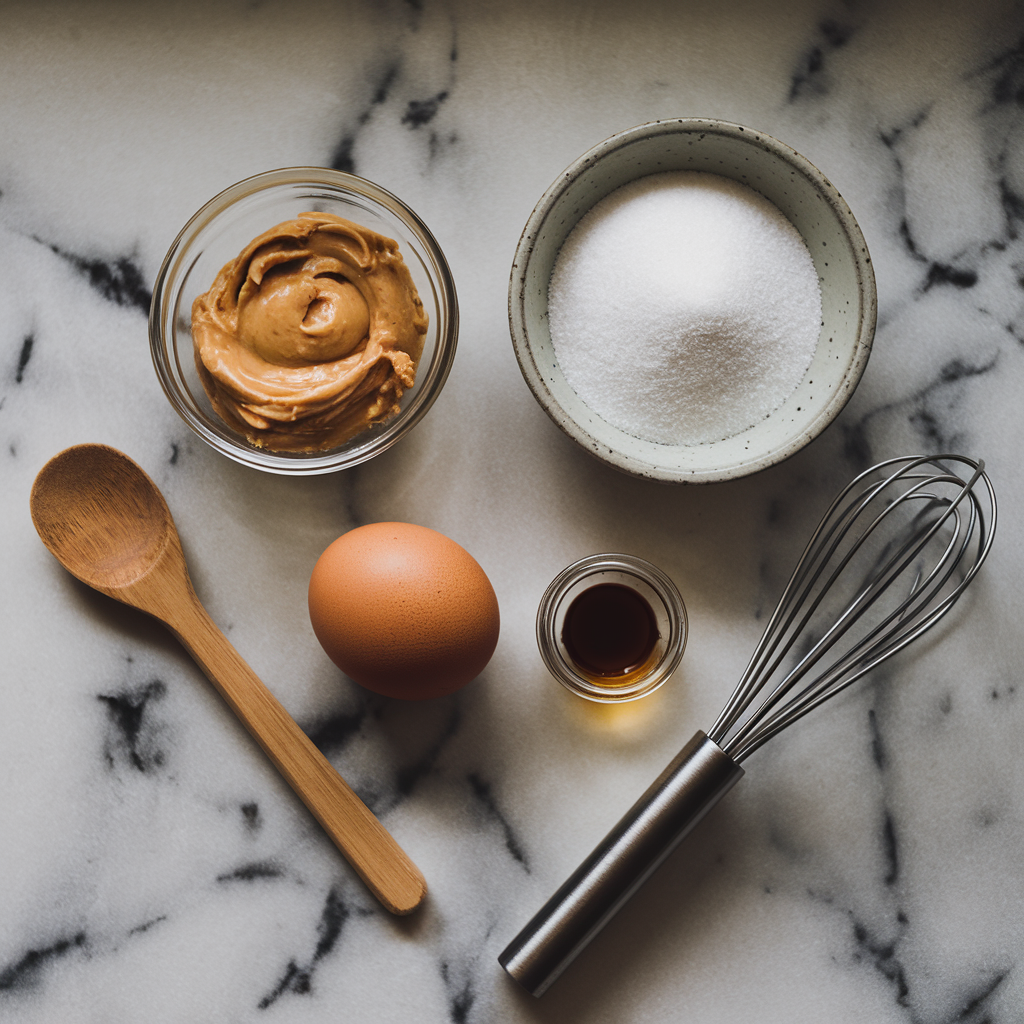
(403,610)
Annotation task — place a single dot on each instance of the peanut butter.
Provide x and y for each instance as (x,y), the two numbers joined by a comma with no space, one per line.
(310,335)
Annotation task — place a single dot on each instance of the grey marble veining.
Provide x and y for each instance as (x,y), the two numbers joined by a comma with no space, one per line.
(869,867)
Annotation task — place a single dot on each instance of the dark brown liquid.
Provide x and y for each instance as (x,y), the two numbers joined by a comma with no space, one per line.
(609,631)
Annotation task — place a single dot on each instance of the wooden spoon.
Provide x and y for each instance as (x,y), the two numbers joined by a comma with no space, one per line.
(108,524)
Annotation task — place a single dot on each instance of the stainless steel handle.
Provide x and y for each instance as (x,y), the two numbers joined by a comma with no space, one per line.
(652,828)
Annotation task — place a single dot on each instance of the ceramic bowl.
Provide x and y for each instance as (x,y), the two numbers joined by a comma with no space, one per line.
(814,207)
(221,229)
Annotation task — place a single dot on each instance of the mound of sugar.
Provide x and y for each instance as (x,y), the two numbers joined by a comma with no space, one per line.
(684,308)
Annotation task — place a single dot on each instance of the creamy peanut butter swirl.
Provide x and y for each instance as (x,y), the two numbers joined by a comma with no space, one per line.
(310,335)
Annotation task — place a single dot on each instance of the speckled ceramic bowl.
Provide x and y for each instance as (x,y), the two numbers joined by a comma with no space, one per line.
(812,205)
(220,230)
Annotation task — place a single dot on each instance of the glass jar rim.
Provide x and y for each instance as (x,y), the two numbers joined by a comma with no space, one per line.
(627,565)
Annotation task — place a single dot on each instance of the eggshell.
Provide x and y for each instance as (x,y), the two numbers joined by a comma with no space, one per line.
(403,610)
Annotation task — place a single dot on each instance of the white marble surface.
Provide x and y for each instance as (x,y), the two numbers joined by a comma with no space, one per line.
(869,867)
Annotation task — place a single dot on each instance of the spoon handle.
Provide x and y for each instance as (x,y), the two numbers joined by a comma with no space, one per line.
(366,844)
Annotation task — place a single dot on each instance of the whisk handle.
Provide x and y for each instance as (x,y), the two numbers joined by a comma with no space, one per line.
(652,828)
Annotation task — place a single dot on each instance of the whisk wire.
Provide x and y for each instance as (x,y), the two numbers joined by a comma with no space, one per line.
(754,672)
(835,681)
(762,723)
(777,635)
(869,651)
(844,536)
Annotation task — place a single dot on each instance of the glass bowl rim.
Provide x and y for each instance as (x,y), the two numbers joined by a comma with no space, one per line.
(429,387)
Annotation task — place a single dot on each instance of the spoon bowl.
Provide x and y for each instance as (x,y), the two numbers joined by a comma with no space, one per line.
(101,517)
(107,523)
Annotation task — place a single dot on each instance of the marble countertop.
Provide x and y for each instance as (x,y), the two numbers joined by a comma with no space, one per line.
(153,867)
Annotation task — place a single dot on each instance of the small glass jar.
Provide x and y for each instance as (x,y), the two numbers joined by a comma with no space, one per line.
(645,581)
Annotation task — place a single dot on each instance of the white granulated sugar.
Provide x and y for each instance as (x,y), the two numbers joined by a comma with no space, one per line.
(684,308)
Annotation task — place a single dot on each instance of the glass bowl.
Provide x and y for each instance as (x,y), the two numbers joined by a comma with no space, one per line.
(810,202)
(643,579)
(219,232)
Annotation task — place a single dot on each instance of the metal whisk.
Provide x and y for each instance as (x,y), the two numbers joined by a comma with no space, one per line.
(890,558)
